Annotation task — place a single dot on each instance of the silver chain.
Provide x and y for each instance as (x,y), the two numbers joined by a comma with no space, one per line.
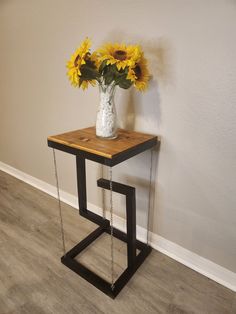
(59,202)
(111,223)
(103,195)
(149,195)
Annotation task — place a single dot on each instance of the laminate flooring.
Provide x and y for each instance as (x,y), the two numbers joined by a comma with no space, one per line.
(33,280)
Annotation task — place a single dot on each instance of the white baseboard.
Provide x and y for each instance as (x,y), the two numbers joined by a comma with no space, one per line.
(196,262)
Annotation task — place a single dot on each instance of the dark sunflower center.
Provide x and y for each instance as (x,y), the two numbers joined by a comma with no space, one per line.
(86,58)
(76,60)
(138,71)
(120,55)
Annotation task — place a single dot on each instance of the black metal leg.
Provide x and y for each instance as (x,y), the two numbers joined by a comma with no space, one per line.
(93,278)
(129,192)
(81,183)
(131,227)
(134,261)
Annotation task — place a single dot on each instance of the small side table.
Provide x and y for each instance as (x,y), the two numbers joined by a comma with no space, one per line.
(85,145)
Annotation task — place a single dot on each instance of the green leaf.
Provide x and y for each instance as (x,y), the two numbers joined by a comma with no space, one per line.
(124,83)
(88,72)
(102,66)
(120,77)
(109,77)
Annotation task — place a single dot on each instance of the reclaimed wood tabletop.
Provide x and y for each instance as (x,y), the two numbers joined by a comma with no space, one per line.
(86,140)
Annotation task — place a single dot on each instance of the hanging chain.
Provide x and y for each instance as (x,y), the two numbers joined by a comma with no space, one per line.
(149,195)
(103,195)
(111,223)
(59,202)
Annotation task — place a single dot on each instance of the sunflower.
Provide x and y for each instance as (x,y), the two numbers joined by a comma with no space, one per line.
(119,54)
(78,58)
(80,63)
(85,83)
(139,74)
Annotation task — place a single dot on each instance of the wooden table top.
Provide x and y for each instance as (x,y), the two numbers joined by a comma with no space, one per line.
(86,140)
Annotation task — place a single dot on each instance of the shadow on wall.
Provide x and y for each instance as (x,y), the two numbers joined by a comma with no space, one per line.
(142,111)
(145,186)
(145,191)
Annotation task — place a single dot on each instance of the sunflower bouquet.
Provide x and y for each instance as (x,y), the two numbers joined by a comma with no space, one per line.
(110,66)
(117,64)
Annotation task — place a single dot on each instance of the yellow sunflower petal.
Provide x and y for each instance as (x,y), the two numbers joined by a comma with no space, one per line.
(77,59)
(84,85)
(94,58)
(131,75)
(139,74)
(120,54)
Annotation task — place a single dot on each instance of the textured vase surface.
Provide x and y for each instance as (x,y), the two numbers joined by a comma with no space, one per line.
(106,123)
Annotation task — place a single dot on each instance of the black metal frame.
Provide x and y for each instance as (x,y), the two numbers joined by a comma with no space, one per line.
(118,158)
(133,260)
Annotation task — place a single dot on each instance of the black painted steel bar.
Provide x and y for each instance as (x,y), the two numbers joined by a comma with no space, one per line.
(115,160)
(129,192)
(117,233)
(133,152)
(93,278)
(131,228)
(116,186)
(81,182)
(94,217)
(85,242)
(88,275)
(123,237)
(128,273)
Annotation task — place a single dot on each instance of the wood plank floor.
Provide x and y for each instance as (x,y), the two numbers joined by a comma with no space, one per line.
(32,279)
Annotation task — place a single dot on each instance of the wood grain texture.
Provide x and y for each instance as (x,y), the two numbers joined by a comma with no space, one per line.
(33,280)
(87,140)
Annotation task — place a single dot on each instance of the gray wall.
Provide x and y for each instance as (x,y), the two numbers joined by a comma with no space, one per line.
(190,103)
